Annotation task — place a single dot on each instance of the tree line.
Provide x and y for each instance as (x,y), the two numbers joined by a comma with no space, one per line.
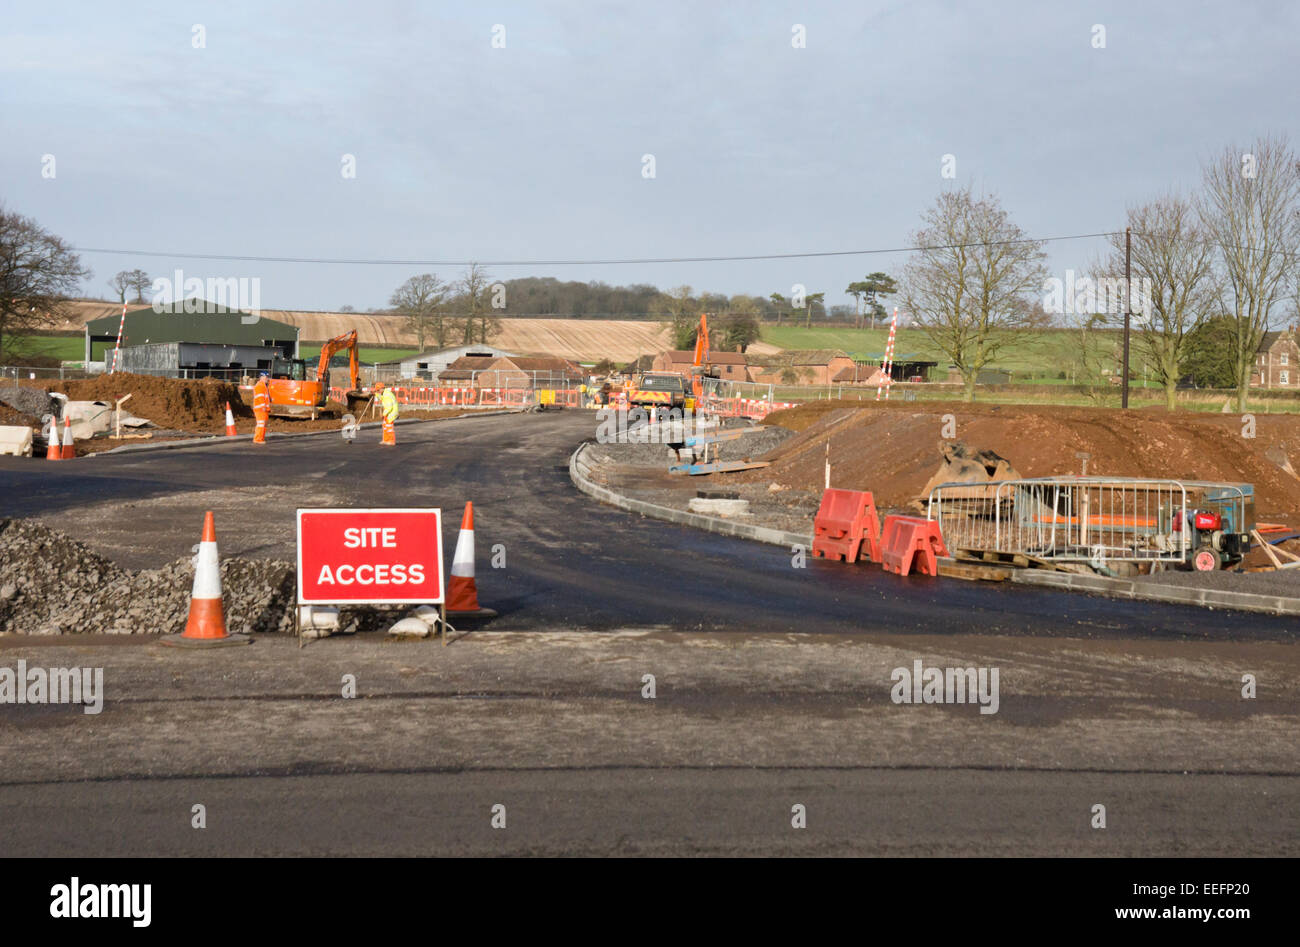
(1218,268)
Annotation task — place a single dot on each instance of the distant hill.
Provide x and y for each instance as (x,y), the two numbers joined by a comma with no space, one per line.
(579,339)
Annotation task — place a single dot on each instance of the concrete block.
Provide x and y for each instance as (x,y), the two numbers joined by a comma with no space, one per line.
(16,440)
(719,507)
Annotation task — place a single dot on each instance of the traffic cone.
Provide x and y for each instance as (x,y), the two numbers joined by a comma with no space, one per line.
(53,451)
(69,448)
(230,422)
(206,627)
(462,593)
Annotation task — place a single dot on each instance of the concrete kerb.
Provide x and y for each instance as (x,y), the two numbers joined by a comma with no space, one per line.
(220,440)
(580,471)
(580,474)
(1153,592)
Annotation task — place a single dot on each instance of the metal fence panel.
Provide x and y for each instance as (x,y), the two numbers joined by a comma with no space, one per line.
(1069,519)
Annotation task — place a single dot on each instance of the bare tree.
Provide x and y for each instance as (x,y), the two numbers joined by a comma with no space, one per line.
(477,323)
(1173,270)
(970,288)
(119,284)
(420,300)
(1251,207)
(139,281)
(39,273)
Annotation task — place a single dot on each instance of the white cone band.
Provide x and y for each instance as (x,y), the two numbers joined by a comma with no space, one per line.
(207,572)
(462,563)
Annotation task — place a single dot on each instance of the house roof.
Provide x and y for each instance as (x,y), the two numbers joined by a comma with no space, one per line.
(549,363)
(798,357)
(857,373)
(492,350)
(1270,339)
(716,357)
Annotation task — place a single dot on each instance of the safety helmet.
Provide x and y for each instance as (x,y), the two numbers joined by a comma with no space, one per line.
(379,385)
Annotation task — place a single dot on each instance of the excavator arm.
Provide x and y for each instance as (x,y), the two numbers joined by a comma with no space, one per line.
(348,340)
(700,366)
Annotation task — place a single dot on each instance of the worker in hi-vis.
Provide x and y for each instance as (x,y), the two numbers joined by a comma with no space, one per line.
(261,406)
(388,405)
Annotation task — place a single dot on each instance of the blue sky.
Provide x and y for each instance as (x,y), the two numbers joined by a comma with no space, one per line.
(534,151)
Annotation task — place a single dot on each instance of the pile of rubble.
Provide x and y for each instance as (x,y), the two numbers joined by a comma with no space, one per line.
(50,584)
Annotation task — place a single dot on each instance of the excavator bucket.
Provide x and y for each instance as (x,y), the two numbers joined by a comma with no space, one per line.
(962,466)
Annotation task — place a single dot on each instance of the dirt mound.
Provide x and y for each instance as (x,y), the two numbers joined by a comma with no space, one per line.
(890,449)
(171,403)
(10,417)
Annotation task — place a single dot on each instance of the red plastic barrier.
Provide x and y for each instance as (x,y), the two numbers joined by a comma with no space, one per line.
(845,520)
(911,544)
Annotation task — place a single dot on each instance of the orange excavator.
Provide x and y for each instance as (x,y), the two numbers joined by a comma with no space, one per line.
(295,395)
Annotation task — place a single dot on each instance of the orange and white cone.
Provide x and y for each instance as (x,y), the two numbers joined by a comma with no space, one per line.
(230,422)
(462,592)
(53,451)
(69,448)
(206,626)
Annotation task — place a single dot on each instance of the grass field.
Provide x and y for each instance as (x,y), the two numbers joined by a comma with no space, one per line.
(1044,354)
(367,355)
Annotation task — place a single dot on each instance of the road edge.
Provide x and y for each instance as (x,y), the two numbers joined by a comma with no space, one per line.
(217,440)
(579,471)
(1042,578)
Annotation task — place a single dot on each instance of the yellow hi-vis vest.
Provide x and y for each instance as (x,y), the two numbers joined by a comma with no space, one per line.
(388,401)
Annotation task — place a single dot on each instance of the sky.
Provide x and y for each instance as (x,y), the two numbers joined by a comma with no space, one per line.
(222,128)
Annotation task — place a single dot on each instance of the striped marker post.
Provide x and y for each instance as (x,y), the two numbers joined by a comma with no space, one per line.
(117,349)
(889,359)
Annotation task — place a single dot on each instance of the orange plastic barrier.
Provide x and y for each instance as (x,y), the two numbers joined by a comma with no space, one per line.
(911,544)
(845,520)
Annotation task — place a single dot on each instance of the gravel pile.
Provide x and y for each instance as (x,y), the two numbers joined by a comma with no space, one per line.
(30,401)
(51,584)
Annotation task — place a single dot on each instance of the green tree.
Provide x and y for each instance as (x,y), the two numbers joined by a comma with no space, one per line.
(1208,354)
(680,310)
(871,290)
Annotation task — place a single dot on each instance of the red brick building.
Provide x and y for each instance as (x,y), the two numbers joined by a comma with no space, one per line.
(731,366)
(1277,361)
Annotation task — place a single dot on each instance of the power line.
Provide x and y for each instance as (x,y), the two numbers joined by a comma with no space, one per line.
(689,259)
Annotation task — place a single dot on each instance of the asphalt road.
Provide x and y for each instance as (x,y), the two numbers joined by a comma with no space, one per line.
(773,689)
(569,562)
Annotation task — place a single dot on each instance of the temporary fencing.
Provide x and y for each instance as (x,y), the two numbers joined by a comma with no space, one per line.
(1081,519)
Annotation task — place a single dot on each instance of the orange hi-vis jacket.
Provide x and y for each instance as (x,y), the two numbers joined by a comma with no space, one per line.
(261,399)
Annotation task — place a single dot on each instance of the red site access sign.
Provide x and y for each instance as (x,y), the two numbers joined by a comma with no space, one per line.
(374,557)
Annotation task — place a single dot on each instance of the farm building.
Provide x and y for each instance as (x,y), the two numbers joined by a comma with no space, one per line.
(195,359)
(799,367)
(431,363)
(731,366)
(513,372)
(216,326)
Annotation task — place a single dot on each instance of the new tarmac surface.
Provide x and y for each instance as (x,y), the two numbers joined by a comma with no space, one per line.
(568,563)
(771,688)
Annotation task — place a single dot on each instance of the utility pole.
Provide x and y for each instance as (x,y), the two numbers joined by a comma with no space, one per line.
(1128,303)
